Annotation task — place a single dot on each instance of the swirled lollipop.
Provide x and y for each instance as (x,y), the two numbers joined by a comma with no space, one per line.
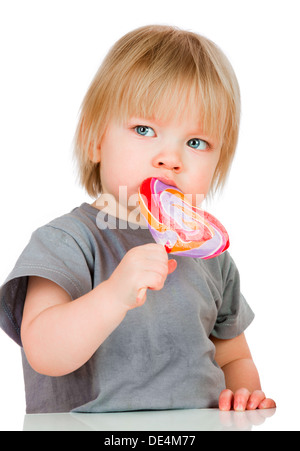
(178,225)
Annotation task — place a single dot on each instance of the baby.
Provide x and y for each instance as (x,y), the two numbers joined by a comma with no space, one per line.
(105,320)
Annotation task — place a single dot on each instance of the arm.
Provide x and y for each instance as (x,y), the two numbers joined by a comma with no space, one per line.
(241,376)
(60,335)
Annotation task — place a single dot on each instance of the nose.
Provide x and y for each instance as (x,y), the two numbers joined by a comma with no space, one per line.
(168,160)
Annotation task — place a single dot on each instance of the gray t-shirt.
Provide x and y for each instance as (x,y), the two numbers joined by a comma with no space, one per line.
(160,356)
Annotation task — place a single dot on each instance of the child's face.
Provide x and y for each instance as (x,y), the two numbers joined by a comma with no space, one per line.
(175,151)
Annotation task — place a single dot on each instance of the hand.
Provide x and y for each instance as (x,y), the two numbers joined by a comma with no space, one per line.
(242,400)
(143,267)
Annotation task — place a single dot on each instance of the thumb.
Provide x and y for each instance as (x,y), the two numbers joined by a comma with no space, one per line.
(172,265)
(141,297)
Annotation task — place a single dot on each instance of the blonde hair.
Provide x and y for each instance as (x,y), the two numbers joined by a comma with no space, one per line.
(157,70)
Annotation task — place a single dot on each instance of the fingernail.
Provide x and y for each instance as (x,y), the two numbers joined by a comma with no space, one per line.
(224,406)
(239,407)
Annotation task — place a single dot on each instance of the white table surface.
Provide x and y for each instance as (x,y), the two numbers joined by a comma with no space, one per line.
(285,417)
(167,420)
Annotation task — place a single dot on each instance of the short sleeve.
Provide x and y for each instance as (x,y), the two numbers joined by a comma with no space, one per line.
(234,313)
(51,253)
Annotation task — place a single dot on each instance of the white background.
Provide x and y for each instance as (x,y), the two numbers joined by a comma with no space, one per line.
(50,50)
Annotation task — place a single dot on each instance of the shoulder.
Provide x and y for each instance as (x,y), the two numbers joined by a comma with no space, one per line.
(220,271)
(61,250)
(223,264)
(218,266)
(80,220)
(78,227)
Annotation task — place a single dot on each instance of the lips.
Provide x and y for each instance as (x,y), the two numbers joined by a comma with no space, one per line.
(167,181)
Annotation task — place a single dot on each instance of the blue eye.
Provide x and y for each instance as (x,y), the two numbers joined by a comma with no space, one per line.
(144,130)
(198,144)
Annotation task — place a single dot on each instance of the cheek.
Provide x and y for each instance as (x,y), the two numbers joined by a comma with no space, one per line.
(204,185)
(118,169)
(110,172)
(201,178)
(204,174)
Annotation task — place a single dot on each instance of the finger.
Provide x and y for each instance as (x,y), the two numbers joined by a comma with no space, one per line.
(141,297)
(156,248)
(225,399)
(241,397)
(151,250)
(267,403)
(172,265)
(157,254)
(255,398)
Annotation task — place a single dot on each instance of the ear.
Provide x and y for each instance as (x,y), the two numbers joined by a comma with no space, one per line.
(95,152)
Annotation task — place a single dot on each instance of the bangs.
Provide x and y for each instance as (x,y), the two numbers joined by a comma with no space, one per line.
(146,95)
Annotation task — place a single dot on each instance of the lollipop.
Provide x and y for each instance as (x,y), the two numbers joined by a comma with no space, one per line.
(182,228)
